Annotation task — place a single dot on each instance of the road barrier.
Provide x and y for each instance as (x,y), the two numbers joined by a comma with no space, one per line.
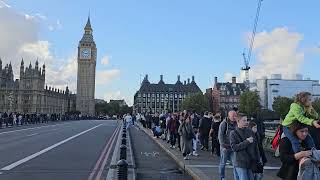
(123,151)
(122,169)
(122,164)
(124,141)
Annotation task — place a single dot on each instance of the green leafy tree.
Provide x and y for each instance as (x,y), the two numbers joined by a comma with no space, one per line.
(249,103)
(281,105)
(112,109)
(197,102)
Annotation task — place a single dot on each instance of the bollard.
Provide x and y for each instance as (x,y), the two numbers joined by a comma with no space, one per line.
(122,169)
(124,141)
(123,151)
(124,135)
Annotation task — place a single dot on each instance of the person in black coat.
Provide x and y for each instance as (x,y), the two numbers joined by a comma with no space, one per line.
(204,129)
(215,146)
(290,160)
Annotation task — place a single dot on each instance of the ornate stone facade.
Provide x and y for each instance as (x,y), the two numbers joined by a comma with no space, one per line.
(29,93)
(87,55)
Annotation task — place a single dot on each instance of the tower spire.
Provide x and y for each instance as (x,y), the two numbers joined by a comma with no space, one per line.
(88,25)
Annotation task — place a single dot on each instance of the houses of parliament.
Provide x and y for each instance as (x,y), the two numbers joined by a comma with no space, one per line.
(30,94)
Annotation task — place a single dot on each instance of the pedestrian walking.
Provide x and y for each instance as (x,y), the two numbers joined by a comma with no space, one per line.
(195,120)
(128,120)
(260,125)
(226,153)
(245,147)
(172,127)
(215,146)
(262,156)
(204,130)
(186,133)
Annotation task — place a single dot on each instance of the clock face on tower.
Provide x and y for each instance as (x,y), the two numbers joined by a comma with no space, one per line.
(85,53)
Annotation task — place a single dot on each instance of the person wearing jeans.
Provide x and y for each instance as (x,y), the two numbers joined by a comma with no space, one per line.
(195,125)
(302,111)
(226,153)
(245,147)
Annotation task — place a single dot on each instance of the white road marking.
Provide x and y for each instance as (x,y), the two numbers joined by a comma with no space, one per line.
(26,159)
(32,134)
(7,132)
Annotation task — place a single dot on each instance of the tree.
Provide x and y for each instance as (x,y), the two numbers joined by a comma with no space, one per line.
(197,102)
(112,109)
(281,105)
(249,103)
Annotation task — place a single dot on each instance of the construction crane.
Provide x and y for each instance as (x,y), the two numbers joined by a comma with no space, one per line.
(247,57)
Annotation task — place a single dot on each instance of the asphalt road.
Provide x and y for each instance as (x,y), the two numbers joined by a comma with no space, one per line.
(75,150)
(152,162)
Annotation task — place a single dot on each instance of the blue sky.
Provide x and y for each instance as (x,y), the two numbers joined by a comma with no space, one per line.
(203,38)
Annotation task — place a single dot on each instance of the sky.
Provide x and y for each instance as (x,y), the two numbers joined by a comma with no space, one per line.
(204,38)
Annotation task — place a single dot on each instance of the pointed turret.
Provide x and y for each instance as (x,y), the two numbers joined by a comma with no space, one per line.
(88,25)
(10,66)
(87,36)
(37,64)
(43,69)
(21,68)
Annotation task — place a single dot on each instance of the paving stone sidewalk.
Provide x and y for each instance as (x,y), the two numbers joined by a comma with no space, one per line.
(205,166)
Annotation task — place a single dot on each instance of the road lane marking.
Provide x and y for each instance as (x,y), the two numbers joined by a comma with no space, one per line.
(98,177)
(26,159)
(101,155)
(7,132)
(32,134)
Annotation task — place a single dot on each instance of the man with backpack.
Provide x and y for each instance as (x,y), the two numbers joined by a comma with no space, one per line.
(226,153)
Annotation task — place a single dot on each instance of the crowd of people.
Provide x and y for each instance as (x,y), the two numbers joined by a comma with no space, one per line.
(17,119)
(191,133)
(238,139)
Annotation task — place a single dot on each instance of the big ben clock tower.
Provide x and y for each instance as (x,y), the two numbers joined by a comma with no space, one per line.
(87,55)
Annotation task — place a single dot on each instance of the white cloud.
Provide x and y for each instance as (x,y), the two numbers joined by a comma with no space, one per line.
(4,4)
(40,16)
(105,60)
(276,52)
(19,39)
(106,76)
(55,26)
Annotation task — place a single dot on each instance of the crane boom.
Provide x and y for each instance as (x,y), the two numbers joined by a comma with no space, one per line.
(247,58)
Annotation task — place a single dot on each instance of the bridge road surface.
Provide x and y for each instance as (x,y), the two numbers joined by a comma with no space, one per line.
(75,150)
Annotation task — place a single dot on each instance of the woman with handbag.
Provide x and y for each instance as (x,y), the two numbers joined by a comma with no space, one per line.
(245,146)
(186,134)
